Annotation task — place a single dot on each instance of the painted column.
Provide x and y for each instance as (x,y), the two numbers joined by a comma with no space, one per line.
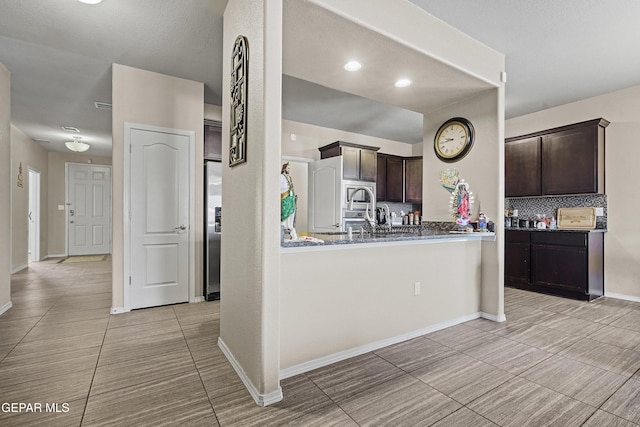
(250,255)
(5,189)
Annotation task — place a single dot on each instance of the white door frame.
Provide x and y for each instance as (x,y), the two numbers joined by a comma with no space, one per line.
(126,211)
(34,230)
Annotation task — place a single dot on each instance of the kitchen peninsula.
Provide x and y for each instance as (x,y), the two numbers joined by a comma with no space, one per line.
(347,296)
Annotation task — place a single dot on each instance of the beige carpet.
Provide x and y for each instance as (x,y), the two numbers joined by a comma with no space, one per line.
(85,258)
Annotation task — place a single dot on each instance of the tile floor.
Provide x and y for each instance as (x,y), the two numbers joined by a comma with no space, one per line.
(554,362)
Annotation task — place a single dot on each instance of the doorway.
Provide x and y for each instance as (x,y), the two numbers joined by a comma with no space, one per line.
(88,209)
(34,215)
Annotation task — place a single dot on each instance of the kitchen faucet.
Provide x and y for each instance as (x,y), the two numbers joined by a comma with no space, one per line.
(371,219)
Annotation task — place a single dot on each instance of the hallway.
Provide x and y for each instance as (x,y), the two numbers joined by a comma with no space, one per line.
(555,362)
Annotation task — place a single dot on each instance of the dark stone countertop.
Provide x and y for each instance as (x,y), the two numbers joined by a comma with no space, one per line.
(343,238)
(556,230)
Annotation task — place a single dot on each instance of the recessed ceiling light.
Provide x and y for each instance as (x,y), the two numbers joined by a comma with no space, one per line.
(403,83)
(90,1)
(352,66)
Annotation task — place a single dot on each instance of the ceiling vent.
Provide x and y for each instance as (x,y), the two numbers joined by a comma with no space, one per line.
(103,106)
(70,129)
(42,141)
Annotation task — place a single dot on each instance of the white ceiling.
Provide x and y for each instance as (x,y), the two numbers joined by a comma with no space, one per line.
(60,55)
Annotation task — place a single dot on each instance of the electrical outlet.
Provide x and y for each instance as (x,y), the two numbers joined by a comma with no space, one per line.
(599,211)
(416,288)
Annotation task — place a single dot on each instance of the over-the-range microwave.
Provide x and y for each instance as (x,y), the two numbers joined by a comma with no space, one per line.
(360,197)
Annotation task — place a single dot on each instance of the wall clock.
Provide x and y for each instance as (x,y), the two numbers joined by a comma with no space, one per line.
(454,139)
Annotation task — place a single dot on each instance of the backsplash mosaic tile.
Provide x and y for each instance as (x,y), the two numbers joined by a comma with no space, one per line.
(528,207)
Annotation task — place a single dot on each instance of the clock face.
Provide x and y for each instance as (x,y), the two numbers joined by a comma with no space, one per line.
(453,140)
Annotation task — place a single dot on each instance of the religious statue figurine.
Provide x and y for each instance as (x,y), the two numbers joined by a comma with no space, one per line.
(287,202)
(461,201)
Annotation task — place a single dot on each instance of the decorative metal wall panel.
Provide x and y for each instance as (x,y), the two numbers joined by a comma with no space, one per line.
(239,82)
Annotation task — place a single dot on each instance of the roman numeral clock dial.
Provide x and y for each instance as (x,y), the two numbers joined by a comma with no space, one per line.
(453,139)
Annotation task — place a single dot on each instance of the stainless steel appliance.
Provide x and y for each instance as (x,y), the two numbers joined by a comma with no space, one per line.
(213,227)
(354,219)
(353,190)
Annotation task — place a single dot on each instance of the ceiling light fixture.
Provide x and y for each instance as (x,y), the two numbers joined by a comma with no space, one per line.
(77,145)
(403,83)
(90,1)
(352,66)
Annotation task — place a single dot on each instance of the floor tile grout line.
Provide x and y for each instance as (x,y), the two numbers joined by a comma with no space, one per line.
(204,387)
(617,390)
(30,329)
(332,400)
(520,375)
(95,370)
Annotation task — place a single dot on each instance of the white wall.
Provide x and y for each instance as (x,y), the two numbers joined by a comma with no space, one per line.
(337,300)
(6,181)
(26,151)
(250,257)
(154,99)
(622,150)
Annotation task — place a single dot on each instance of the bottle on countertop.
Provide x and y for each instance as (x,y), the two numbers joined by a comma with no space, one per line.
(552,224)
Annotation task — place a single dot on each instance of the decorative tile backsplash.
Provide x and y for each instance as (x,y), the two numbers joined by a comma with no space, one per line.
(528,207)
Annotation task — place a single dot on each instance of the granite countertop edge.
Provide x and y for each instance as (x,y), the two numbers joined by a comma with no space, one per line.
(341,240)
(557,230)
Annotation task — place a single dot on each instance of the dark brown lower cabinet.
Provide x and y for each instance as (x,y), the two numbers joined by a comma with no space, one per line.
(517,257)
(569,264)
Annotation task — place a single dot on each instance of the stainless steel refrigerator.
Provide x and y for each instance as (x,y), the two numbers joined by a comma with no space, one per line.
(213,227)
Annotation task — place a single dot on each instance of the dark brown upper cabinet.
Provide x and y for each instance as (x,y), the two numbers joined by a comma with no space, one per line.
(522,167)
(564,160)
(399,179)
(390,178)
(359,161)
(413,180)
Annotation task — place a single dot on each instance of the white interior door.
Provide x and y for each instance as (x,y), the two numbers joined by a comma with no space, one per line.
(160,205)
(325,194)
(88,209)
(34,216)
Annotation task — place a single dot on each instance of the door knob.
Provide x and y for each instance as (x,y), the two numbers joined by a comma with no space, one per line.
(180,227)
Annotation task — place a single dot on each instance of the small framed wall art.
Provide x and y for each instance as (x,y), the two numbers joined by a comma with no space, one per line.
(239,82)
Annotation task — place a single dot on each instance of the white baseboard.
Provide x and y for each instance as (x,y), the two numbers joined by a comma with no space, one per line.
(499,318)
(19,268)
(6,307)
(261,399)
(198,299)
(56,255)
(357,351)
(622,297)
(118,310)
